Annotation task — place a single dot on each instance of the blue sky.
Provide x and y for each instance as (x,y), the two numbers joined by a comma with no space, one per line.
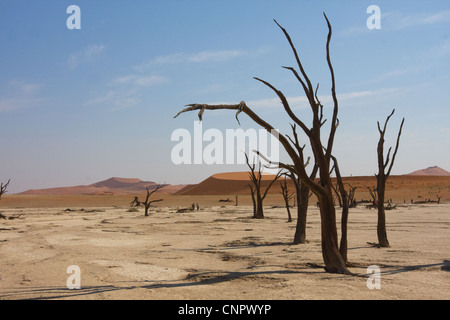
(79,106)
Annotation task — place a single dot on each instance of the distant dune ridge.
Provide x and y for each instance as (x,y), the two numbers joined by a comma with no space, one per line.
(235,183)
(224,183)
(431,171)
(107,187)
(229,183)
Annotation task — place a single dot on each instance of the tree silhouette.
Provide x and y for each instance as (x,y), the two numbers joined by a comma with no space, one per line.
(3,188)
(382,177)
(257,195)
(147,203)
(334,263)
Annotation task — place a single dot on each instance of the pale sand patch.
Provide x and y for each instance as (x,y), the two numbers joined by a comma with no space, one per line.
(143,271)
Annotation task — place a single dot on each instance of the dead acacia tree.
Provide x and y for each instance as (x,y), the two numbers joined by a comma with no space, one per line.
(373,194)
(287,196)
(438,198)
(344,197)
(334,263)
(382,176)
(257,195)
(352,203)
(350,192)
(135,202)
(3,188)
(147,203)
(302,191)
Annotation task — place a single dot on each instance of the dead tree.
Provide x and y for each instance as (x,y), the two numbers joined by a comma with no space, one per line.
(382,177)
(287,197)
(351,196)
(351,201)
(345,204)
(257,195)
(135,202)
(334,263)
(147,203)
(302,190)
(439,198)
(3,188)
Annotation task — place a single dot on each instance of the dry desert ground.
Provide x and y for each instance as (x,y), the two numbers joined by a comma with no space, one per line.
(218,253)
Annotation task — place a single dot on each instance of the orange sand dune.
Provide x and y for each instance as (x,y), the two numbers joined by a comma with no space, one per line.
(399,188)
(224,183)
(431,171)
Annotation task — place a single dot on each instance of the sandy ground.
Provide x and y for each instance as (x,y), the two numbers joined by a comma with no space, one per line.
(216,253)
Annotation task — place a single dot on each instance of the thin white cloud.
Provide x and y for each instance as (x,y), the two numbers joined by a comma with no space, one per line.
(125,91)
(86,55)
(19,103)
(116,98)
(20,94)
(398,20)
(141,80)
(214,56)
(301,102)
(199,57)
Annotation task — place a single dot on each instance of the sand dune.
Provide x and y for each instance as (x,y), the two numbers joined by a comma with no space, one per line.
(224,183)
(419,185)
(399,188)
(431,171)
(112,186)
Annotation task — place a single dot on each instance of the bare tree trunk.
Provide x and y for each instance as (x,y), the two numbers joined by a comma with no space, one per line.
(382,177)
(288,210)
(253,200)
(259,206)
(381,223)
(334,263)
(302,212)
(345,208)
(287,197)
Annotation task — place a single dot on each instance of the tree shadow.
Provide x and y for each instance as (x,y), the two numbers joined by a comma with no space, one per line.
(191,280)
(444,266)
(55,293)
(196,278)
(249,243)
